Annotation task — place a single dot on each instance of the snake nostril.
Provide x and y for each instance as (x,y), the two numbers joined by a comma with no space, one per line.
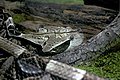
(44,43)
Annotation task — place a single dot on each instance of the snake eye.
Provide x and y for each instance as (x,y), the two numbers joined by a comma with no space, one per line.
(71,37)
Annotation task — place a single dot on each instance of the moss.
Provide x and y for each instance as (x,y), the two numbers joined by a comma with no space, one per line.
(18,18)
(60,1)
(113,46)
(105,66)
(22,17)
